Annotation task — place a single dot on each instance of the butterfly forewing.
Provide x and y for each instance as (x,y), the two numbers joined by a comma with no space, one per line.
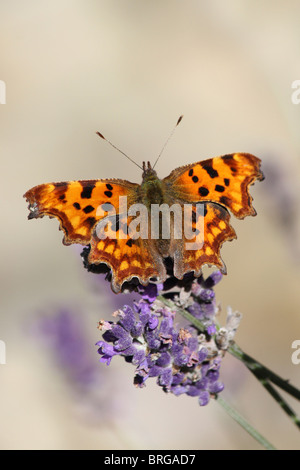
(78,204)
(224,180)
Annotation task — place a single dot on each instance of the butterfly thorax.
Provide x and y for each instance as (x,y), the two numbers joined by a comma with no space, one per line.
(151,187)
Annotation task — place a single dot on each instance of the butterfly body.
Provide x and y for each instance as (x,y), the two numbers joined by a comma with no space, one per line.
(152,188)
(216,185)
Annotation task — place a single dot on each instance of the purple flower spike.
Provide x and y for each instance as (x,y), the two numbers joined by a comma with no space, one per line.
(203,398)
(153,322)
(106,351)
(211,330)
(151,291)
(216,387)
(127,318)
(165,378)
(183,359)
(207,295)
(164,359)
(213,279)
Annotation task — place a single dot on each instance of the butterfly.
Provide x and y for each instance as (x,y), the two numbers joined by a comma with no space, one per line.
(218,185)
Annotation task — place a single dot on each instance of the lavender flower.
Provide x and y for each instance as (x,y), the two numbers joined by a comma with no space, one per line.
(64,332)
(66,337)
(184,360)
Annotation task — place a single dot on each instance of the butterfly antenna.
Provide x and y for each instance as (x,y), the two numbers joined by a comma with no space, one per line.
(110,143)
(178,121)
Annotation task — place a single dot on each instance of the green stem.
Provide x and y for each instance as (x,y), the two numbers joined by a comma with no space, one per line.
(262,373)
(282,403)
(265,376)
(245,425)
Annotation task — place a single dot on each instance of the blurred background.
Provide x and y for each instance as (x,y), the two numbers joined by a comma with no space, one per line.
(129,68)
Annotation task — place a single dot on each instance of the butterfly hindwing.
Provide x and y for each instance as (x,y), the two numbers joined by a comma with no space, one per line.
(211,227)
(127,257)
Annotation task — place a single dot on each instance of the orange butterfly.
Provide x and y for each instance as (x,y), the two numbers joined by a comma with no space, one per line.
(218,184)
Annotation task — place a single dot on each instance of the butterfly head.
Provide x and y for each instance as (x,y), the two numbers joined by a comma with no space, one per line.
(148,172)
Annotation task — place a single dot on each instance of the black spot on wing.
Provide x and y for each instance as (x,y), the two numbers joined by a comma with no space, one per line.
(88,209)
(226,181)
(87,191)
(219,188)
(77,206)
(191,172)
(62,197)
(195,179)
(108,193)
(203,191)
(210,170)
(227,157)
(109,186)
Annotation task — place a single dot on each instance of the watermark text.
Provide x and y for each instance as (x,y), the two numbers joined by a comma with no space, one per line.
(165,222)
(2,352)
(296,94)
(296,354)
(2,92)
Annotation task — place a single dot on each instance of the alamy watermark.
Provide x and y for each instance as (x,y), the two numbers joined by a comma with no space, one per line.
(2,352)
(165,222)
(296,94)
(2,92)
(296,354)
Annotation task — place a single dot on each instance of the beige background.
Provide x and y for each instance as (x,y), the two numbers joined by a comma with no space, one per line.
(129,68)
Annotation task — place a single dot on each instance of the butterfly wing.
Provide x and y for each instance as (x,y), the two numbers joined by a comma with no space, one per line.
(77,204)
(224,183)
(210,224)
(127,257)
(224,180)
(80,206)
